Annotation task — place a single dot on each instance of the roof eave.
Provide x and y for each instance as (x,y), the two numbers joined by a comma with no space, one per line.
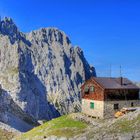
(98,83)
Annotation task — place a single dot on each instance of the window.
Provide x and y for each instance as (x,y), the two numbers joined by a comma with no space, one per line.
(132,104)
(92,89)
(116,106)
(86,90)
(92,105)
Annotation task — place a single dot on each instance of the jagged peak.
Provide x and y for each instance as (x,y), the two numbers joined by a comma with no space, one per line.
(8,20)
(8,27)
(49,35)
(46,29)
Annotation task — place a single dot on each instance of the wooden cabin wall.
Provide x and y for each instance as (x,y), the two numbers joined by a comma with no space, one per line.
(98,93)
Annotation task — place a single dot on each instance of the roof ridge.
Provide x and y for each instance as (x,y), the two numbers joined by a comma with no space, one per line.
(113,83)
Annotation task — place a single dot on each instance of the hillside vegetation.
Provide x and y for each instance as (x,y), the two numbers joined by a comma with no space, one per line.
(78,126)
(63,126)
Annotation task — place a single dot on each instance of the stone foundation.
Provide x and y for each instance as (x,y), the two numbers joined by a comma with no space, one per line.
(105,109)
(109,110)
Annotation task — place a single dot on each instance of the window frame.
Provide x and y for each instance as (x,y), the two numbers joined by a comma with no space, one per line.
(116,106)
(93,89)
(86,89)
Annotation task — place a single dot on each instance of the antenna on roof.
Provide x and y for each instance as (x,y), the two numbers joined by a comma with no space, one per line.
(110,70)
(121,78)
(120,71)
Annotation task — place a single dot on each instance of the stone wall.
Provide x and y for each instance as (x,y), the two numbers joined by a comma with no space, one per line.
(105,109)
(109,106)
(98,110)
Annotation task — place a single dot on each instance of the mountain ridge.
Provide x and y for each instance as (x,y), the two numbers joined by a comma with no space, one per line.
(41,70)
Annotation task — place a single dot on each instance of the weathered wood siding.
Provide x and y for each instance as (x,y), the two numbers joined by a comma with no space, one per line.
(98,93)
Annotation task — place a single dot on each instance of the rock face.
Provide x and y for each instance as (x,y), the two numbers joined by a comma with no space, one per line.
(41,70)
(13,115)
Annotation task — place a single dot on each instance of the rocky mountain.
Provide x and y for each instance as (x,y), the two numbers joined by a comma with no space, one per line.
(12,115)
(41,71)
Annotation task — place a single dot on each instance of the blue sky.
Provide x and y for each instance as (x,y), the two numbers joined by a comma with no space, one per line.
(108,31)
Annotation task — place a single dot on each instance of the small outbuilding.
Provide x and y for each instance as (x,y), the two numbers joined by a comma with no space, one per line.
(102,97)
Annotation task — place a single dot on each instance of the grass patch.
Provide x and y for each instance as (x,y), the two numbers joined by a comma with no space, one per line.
(63,126)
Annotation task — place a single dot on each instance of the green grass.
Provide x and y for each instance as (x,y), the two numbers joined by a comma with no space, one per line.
(63,126)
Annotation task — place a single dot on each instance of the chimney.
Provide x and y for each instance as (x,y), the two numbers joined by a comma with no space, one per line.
(121,81)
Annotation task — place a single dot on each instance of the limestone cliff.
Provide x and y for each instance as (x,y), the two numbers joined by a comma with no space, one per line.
(41,70)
